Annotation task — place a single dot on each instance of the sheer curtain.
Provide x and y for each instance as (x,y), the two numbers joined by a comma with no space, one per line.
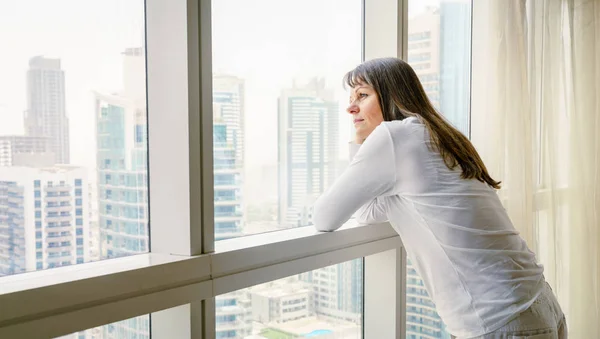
(535,119)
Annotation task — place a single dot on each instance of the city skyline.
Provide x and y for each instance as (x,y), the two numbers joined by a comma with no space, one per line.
(310,142)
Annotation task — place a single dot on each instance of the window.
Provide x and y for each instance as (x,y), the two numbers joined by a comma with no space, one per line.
(441,35)
(57,158)
(173,273)
(288,308)
(280,138)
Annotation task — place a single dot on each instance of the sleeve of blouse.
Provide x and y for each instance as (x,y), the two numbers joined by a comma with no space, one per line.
(371,174)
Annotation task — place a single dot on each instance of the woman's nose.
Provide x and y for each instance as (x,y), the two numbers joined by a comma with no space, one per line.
(352,108)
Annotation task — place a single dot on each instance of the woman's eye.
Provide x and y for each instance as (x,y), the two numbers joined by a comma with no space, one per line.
(362,95)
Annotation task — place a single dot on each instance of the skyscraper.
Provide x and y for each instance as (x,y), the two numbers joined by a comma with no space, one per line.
(422,321)
(121,160)
(121,156)
(438,51)
(227,185)
(228,156)
(308,130)
(424,51)
(228,99)
(308,136)
(43,218)
(46,113)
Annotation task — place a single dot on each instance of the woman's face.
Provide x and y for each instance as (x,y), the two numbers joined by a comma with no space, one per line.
(365,110)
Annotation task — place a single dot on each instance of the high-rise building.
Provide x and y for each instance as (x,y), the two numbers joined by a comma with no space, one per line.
(228,157)
(46,112)
(122,182)
(424,51)
(233,315)
(227,185)
(308,133)
(228,99)
(422,320)
(338,290)
(43,218)
(233,312)
(121,156)
(438,50)
(13,145)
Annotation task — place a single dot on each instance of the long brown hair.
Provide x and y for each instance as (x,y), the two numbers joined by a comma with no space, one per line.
(401,95)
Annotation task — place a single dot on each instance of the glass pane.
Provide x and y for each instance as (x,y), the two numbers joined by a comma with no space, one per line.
(278,105)
(325,303)
(73,133)
(133,328)
(439,50)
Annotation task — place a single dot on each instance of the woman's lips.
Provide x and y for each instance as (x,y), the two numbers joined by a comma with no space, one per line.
(358,120)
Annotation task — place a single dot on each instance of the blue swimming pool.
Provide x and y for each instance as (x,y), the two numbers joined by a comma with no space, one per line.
(317,333)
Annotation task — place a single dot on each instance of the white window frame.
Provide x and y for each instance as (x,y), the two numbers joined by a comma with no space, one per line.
(177,281)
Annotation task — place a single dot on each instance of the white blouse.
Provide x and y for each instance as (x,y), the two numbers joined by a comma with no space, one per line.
(475,266)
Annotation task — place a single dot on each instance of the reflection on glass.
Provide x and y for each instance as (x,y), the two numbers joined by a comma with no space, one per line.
(439,50)
(278,105)
(325,303)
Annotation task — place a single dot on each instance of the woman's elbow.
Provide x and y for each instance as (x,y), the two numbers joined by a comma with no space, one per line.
(321,224)
(323,221)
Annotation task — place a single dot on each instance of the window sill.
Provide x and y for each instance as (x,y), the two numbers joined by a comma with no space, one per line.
(117,289)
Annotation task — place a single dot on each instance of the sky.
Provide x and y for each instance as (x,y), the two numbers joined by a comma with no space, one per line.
(88,37)
(305,39)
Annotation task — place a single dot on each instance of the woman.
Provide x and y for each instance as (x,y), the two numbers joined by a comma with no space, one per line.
(416,171)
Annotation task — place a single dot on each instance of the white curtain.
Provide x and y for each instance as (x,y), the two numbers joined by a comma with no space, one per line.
(535,119)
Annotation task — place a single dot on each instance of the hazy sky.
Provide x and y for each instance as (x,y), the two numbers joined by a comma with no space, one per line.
(87,35)
(303,39)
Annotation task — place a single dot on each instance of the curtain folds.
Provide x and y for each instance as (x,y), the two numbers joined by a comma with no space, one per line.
(535,119)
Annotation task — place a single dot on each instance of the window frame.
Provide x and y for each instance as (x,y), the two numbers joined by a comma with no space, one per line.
(178,280)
